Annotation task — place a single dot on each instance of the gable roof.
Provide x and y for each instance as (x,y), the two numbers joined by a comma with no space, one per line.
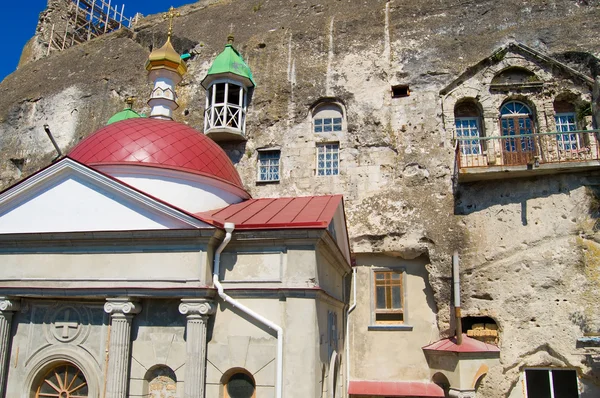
(277,213)
(527,52)
(68,196)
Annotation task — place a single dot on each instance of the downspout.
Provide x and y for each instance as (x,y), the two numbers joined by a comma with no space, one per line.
(229,227)
(347,339)
(456,279)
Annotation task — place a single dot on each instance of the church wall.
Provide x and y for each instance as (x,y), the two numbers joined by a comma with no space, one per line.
(48,332)
(158,339)
(402,342)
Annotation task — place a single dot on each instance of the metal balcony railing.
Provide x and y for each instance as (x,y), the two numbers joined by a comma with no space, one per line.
(528,149)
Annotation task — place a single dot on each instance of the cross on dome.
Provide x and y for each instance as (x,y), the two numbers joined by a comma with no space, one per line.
(170,15)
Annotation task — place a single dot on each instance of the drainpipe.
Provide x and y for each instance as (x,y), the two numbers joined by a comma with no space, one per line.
(229,227)
(352,307)
(456,279)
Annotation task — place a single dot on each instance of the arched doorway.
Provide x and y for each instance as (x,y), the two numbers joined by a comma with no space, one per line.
(63,381)
(516,124)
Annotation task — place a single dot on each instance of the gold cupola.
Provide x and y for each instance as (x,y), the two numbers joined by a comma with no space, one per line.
(165,69)
(166,57)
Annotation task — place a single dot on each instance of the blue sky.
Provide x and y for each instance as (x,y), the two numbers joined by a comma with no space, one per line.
(19,20)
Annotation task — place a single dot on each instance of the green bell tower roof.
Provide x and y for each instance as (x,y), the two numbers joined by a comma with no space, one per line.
(229,64)
(126,113)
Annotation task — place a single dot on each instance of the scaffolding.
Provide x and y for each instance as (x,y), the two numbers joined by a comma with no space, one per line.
(86,20)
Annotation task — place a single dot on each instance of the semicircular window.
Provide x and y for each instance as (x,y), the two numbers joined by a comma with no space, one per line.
(63,381)
(240,385)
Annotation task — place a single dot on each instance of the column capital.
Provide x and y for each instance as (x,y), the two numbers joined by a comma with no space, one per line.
(197,307)
(122,306)
(9,304)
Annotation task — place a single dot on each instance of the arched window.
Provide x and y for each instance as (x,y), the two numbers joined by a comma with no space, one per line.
(467,120)
(516,122)
(240,384)
(564,116)
(160,382)
(328,118)
(63,381)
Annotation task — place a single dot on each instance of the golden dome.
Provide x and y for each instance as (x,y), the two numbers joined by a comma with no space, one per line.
(166,58)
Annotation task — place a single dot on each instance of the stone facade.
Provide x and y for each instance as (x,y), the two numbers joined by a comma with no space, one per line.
(529,246)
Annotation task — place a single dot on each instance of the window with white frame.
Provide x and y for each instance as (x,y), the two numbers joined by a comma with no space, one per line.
(268,165)
(551,383)
(468,128)
(328,118)
(467,122)
(328,159)
(565,123)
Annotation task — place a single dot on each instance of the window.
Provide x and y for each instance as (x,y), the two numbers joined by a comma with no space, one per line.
(328,159)
(565,122)
(551,383)
(389,300)
(268,165)
(328,124)
(400,90)
(468,127)
(225,106)
(240,385)
(328,118)
(516,120)
(63,381)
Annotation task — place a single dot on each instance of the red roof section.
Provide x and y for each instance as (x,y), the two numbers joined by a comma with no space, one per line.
(395,388)
(278,213)
(157,143)
(468,345)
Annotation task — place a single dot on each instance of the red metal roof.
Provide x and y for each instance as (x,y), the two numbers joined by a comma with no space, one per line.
(468,345)
(278,213)
(395,388)
(156,143)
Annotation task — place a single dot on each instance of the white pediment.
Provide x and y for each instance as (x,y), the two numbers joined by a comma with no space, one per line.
(70,197)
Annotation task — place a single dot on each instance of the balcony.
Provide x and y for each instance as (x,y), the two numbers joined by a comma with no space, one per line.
(488,158)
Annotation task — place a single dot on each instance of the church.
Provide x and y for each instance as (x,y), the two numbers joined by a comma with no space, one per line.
(296,213)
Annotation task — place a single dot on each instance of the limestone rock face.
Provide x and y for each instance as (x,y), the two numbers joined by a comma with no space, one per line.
(529,253)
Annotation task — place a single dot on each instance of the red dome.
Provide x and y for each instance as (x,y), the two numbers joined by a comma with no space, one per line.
(156,143)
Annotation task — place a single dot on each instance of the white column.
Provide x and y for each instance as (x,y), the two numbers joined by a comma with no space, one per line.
(7,307)
(121,312)
(197,312)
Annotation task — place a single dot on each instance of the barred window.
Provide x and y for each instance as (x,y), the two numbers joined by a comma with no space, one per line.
(328,159)
(268,165)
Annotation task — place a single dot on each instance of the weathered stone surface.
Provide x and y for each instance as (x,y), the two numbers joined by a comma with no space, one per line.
(529,252)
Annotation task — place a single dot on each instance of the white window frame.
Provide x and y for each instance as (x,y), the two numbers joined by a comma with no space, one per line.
(550,378)
(328,114)
(270,165)
(329,148)
(467,146)
(572,143)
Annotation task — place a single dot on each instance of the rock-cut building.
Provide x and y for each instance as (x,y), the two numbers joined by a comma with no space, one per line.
(361,199)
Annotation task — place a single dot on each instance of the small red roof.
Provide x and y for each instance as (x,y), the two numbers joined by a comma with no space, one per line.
(395,388)
(157,143)
(279,213)
(468,345)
